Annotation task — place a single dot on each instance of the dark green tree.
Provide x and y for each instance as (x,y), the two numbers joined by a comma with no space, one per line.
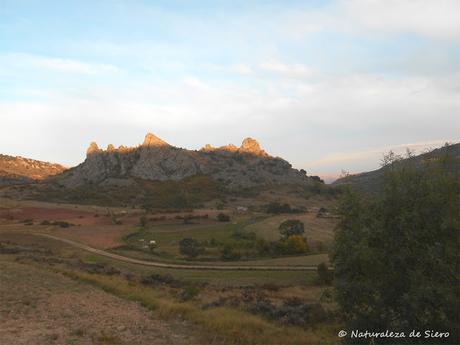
(396,255)
(190,247)
(325,275)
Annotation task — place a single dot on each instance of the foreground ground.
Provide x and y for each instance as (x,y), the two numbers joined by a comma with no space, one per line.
(42,307)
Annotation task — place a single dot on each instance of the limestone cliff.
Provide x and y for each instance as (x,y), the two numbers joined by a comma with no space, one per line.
(244,166)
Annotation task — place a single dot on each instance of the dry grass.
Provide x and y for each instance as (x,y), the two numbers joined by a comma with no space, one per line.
(236,326)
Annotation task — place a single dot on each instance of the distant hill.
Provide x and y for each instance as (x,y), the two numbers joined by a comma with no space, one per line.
(234,167)
(20,170)
(372,181)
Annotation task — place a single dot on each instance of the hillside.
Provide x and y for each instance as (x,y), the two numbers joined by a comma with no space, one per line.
(20,170)
(371,181)
(156,160)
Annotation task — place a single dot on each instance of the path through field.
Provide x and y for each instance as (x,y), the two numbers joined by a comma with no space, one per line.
(177,266)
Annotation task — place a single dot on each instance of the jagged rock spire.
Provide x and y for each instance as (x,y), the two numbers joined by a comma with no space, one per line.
(152,140)
(250,145)
(93,148)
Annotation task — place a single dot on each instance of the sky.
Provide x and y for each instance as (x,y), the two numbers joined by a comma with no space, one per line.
(327,85)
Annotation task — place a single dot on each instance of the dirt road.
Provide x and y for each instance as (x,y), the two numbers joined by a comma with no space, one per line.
(177,266)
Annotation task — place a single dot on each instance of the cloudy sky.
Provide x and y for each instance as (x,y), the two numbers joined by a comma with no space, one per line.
(327,85)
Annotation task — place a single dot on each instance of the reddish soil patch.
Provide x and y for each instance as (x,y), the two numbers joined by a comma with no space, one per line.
(73,216)
(101,237)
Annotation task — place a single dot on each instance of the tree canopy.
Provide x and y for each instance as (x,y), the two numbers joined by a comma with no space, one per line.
(396,255)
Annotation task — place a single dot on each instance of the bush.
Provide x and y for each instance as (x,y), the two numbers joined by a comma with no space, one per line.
(190,247)
(229,253)
(278,208)
(162,279)
(291,227)
(295,244)
(222,217)
(189,293)
(325,276)
(243,235)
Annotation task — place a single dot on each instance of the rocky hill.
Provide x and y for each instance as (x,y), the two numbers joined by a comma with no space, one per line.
(20,170)
(372,181)
(244,166)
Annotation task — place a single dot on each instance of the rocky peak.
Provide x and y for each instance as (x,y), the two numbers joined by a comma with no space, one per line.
(250,145)
(207,148)
(93,148)
(152,140)
(229,147)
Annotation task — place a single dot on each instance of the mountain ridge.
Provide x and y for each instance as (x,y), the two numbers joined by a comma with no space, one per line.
(371,181)
(21,170)
(244,166)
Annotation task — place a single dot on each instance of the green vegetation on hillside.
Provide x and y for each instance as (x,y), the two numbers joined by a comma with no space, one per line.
(397,254)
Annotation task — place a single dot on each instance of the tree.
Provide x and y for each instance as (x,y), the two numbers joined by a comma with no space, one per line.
(291,227)
(325,276)
(190,247)
(278,208)
(295,244)
(396,255)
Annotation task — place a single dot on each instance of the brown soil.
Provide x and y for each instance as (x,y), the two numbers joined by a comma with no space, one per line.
(40,307)
(101,236)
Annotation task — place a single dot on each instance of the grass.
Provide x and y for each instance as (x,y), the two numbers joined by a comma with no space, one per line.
(216,278)
(233,325)
(168,235)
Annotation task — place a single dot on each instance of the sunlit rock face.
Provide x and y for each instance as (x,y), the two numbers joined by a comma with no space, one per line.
(152,140)
(155,159)
(251,146)
(19,170)
(92,148)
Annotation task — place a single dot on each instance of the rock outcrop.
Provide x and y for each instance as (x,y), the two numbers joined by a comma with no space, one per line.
(20,170)
(244,166)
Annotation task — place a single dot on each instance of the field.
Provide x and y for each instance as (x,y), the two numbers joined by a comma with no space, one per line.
(180,305)
(43,307)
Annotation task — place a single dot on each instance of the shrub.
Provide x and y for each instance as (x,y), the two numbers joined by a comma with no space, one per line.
(162,279)
(243,235)
(229,253)
(277,208)
(190,247)
(143,221)
(325,276)
(295,244)
(189,293)
(291,227)
(222,217)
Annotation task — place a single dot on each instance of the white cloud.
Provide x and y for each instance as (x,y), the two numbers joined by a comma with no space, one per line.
(61,64)
(439,19)
(374,153)
(288,70)
(241,69)
(301,119)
